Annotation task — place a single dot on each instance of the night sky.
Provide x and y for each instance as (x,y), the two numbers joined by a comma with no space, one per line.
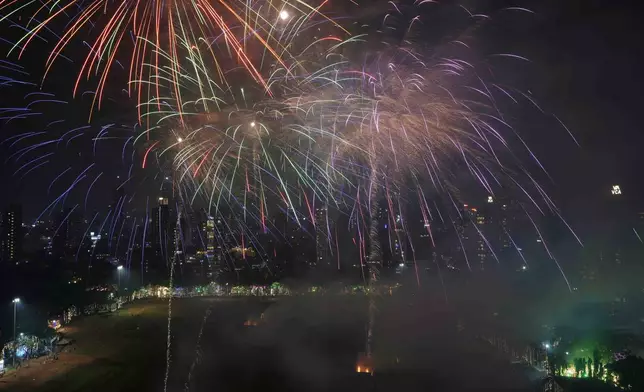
(583,68)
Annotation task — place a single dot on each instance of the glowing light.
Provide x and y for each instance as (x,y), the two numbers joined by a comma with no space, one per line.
(120,267)
(616,190)
(16,300)
(179,139)
(21,351)
(490,199)
(252,124)
(284,15)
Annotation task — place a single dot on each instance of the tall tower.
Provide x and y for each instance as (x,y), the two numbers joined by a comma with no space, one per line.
(161,235)
(481,248)
(210,238)
(12,233)
(322,237)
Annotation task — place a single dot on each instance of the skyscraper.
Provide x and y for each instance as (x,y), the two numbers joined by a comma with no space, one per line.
(161,237)
(68,232)
(322,237)
(11,243)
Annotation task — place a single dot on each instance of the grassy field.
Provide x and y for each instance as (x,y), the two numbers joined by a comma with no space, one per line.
(112,353)
(301,344)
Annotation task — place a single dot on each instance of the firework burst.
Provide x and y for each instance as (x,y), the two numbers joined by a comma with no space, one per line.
(157,34)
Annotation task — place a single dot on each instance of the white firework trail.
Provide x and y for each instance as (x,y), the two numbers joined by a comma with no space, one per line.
(169,336)
(197,359)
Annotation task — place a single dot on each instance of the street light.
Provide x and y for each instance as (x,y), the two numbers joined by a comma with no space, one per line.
(284,15)
(15,312)
(118,273)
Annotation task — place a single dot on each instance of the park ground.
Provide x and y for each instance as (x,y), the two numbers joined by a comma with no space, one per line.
(244,344)
(110,351)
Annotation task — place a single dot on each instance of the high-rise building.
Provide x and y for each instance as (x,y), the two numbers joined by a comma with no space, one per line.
(210,237)
(68,232)
(161,235)
(481,246)
(322,237)
(12,234)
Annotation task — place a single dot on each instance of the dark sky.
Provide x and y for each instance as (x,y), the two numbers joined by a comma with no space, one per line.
(586,56)
(584,69)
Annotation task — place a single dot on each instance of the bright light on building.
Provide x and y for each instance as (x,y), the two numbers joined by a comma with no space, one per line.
(179,139)
(490,199)
(616,190)
(284,15)
(252,123)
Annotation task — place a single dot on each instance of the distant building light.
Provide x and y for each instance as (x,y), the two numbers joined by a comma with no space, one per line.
(616,190)
(490,199)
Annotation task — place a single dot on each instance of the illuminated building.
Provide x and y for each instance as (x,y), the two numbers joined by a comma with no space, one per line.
(210,237)
(160,238)
(68,232)
(322,236)
(481,246)
(12,234)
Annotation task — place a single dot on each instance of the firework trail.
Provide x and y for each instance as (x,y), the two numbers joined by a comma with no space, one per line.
(168,353)
(153,34)
(45,139)
(197,359)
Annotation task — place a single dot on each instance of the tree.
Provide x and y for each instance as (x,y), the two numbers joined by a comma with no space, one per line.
(579,366)
(597,365)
